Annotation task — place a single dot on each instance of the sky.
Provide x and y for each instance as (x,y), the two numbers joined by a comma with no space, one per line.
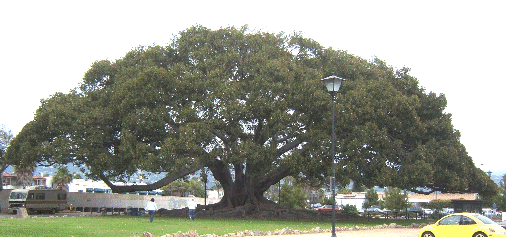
(455,48)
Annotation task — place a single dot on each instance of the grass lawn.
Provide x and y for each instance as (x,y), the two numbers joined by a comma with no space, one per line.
(124,226)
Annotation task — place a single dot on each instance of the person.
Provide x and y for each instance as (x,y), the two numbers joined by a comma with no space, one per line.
(151,208)
(191,208)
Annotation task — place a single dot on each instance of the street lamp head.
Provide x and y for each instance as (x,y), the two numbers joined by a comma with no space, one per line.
(333,83)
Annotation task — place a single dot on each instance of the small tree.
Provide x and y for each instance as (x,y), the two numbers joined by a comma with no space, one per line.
(371,198)
(395,200)
(182,188)
(500,198)
(349,210)
(292,195)
(327,201)
(62,177)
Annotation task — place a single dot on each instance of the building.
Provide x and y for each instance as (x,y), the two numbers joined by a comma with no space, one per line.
(10,181)
(357,199)
(88,186)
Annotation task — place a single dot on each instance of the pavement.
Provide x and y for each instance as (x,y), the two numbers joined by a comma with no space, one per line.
(390,232)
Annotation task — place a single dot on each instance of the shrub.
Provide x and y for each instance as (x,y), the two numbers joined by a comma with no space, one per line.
(350,210)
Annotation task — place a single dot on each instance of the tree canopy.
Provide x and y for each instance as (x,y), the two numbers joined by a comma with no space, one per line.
(5,138)
(250,106)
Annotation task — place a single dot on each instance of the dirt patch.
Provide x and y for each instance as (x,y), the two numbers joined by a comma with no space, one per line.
(255,212)
(396,232)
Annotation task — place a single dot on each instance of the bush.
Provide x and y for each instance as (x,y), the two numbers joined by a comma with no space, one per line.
(350,210)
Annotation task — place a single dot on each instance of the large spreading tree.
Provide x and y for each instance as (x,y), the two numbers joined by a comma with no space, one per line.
(250,106)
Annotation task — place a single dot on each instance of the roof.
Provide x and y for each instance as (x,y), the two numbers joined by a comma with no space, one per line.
(415,197)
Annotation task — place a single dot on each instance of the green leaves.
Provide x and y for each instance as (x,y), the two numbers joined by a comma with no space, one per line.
(252,101)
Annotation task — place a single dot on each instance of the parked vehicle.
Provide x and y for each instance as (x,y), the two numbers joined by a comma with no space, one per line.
(488,212)
(327,209)
(53,200)
(376,209)
(428,211)
(502,224)
(447,211)
(417,210)
(463,224)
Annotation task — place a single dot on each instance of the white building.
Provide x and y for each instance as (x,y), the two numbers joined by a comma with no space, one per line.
(356,199)
(91,186)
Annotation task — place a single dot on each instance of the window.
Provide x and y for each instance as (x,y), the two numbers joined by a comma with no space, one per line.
(40,196)
(62,196)
(467,221)
(451,220)
(18,195)
(485,219)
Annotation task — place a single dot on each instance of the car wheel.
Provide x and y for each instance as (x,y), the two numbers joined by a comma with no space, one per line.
(428,234)
(480,234)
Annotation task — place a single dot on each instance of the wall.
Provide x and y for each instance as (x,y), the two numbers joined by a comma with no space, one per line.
(4,200)
(114,200)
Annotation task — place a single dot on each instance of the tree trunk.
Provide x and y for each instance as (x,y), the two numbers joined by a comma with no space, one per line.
(246,189)
(2,169)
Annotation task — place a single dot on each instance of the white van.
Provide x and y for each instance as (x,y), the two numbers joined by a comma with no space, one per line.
(53,200)
(488,212)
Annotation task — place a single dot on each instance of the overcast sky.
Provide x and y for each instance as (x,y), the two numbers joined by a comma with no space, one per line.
(453,47)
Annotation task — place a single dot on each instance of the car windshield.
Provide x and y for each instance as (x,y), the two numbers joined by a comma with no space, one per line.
(18,195)
(484,219)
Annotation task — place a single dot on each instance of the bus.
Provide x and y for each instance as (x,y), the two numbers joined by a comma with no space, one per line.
(38,200)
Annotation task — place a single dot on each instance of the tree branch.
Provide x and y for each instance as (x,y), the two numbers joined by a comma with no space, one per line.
(156,185)
(288,146)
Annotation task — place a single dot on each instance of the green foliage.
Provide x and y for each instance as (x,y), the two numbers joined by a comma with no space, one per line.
(395,200)
(327,201)
(358,187)
(371,198)
(5,137)
(184,188)
(62,177)
(250,105)
(293,196)
(349,210)
(499,199)
(438,204)
(344,190)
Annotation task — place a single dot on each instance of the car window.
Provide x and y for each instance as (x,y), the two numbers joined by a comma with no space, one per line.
(467,221)
(450,220)
(485,219)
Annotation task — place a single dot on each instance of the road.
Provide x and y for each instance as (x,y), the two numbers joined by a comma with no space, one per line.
(395,232)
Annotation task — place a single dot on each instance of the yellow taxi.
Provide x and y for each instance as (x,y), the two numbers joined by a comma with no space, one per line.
(463,224)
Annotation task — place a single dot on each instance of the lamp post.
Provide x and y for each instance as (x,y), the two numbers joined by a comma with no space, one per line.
(333,83)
